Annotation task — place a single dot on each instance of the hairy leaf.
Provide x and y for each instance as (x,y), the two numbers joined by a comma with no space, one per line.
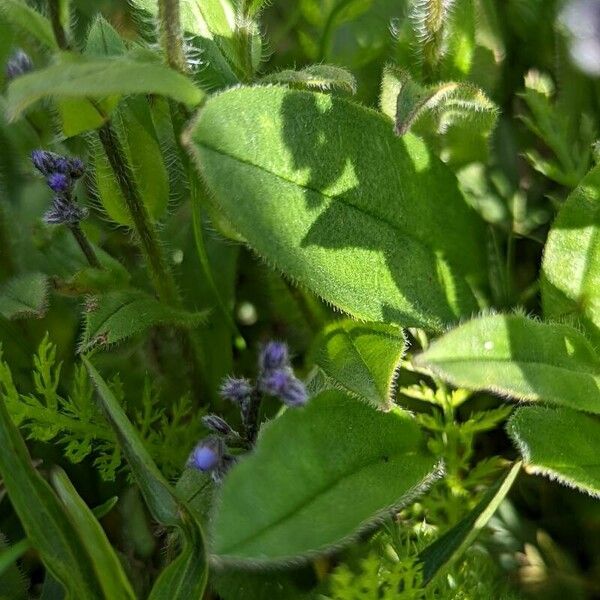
(24,296)
(362,358)
(25,18)
(570,279)
(107,565)
(338,466)
(47,526)
(379,229)
(559,443)
(321,77)
(519,357)
(116,316)
(79,77)
(454,542)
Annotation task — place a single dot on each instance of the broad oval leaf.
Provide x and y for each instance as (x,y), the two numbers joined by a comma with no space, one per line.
(119,315)
(519,357)
(354,465)
(107,565)
(570,282)
(24,296)
(362,358)
(559,443)
(374,225)
(81,77)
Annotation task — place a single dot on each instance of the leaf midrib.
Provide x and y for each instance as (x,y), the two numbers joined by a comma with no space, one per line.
(309,499)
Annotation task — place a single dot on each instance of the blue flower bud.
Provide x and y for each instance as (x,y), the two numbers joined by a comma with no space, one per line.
(207,455)
(237,390)
(18,64)
(44,161)
(274,355)
(59,183)
(76,168)
(285,385)
(217,424)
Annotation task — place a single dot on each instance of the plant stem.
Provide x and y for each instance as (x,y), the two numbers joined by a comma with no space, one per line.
(85,245)
(250,418)
(171,38)
(161,276)
(59,31)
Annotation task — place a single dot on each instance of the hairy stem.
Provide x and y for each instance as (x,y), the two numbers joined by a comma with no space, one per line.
(171,37)
(59,31)
(161,276)
(85,245)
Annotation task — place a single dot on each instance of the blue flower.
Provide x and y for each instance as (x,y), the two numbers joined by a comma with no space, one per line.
(283,384)
(59,183)
(274,355)
(207,455)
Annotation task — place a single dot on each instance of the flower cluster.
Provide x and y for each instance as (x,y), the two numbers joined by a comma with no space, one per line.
(18,64)
(275,378)
(61,173)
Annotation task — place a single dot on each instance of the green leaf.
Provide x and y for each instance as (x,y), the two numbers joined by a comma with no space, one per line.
(354,465)
(570,281)
(103,39)
(25,18)
(361,358)
(108,567)
(380,230)
(133,122)
(185,577)
(559,443)
(450,546)
(321,77)
(119,315)
(519,357)
(79,77)
(45,523)
(24,297)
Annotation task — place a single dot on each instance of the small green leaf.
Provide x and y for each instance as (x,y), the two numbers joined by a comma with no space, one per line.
(559,443)
(108,568)
(47,526)
(24,297)
(380,229)
(454,542)
(25,18)
(362,358)
(519,357)
(354,465)
(570,281)
(118,315)
(103,39)
(79,77)
(103,509)
(320,77)
(186,576)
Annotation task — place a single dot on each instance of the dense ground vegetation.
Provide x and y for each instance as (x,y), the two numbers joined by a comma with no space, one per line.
(299,299)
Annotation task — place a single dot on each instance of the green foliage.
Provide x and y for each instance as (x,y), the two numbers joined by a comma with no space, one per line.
(337,470)
(25,18)
(24,297)
(337,211)
(320,77)
(114,317)
(570,279)
(77,77)
(360,358)
(572,461)
(521,358)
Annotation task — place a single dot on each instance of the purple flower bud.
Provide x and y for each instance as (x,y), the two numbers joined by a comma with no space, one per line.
(217,424)
(237,390)
(44,161)
(59,182)
(207,455)
(18,64)
(76,168)
(274,355)
(285,385)
(64,211)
